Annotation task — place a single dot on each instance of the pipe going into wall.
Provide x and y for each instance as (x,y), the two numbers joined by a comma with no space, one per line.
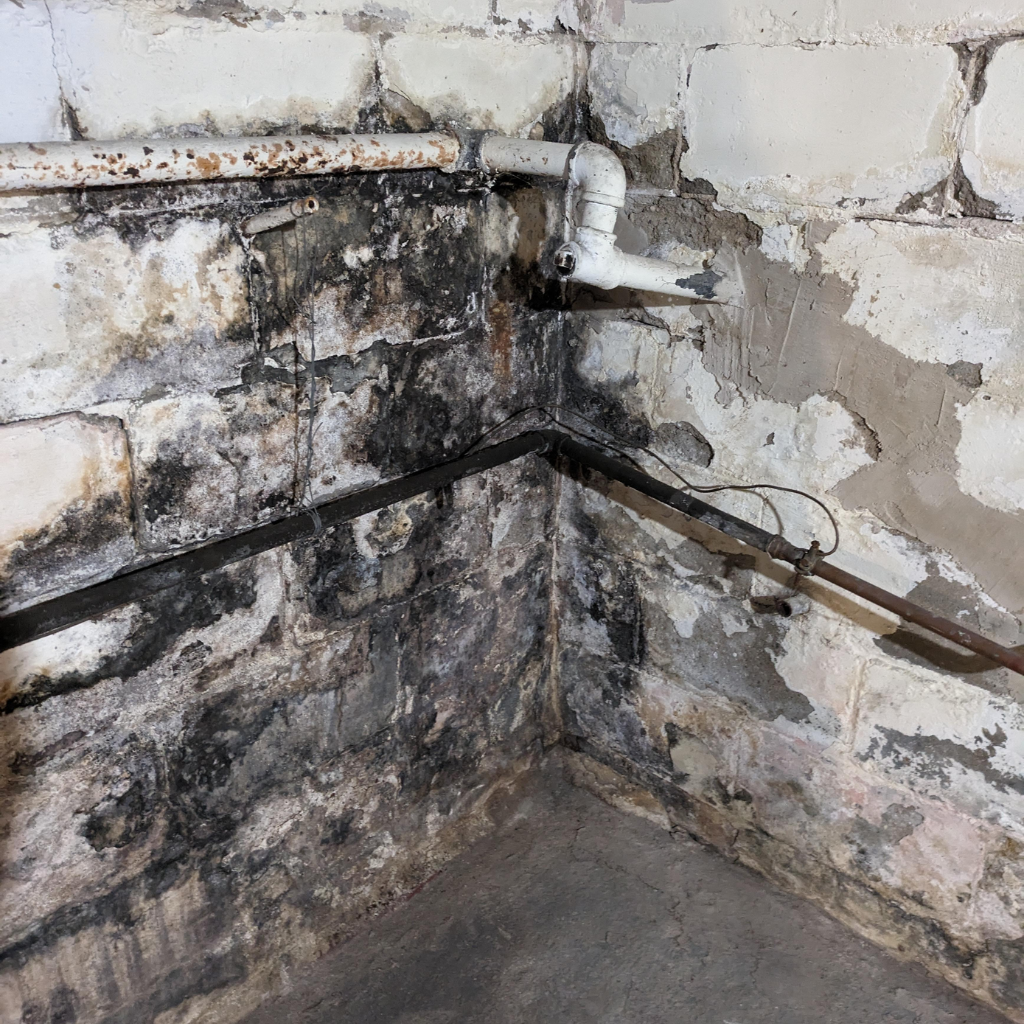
(80,164)
(592,256)
(47,617)
(281,215)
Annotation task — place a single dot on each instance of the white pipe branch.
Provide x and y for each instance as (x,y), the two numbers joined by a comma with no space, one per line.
(280,215)
(50,165)
(592,256)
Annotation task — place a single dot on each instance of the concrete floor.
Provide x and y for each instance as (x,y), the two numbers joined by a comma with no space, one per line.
(578,913)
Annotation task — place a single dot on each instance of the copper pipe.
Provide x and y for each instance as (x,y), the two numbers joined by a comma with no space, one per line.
(808,561)
(922,617)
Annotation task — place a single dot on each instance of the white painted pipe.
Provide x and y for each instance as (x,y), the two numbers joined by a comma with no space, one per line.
(592,257)
(50,165)
(281,215)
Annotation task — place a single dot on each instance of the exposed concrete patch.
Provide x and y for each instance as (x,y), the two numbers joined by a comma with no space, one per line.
(793,342)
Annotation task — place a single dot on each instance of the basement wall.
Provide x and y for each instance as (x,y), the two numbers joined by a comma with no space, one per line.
(205,789)
(857,168)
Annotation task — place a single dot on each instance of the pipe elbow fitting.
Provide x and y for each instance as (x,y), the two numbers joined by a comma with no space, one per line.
(599,175)
(591,258)
(594,259)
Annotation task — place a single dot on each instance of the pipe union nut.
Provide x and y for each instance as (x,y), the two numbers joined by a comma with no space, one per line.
(566,259)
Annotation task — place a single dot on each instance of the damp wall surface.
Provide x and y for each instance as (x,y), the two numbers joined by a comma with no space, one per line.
(204,790)
(855,168)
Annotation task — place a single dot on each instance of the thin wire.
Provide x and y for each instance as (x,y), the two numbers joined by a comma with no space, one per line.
(687,485)
(312,254)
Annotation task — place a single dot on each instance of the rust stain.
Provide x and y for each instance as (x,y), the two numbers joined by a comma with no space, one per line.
(499,323)
(263,158)
(208,166)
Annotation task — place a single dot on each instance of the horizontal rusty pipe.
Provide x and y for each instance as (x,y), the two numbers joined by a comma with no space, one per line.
(81,164)
(807,561)
(921,616)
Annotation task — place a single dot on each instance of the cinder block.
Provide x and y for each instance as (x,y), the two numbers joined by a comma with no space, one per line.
(935,295)
(833,125)
(697,23)
(30,108)
(136,71)
(634,87)
(207,465)
(939,20)
(944,739)
(993,155)
(64,505)
(500,83)
(85,320)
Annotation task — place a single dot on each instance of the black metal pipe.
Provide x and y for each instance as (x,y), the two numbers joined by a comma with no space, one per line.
(60,612)
(616,469)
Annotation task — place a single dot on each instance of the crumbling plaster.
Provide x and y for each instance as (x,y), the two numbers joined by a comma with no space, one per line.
(205,788)
(843,159)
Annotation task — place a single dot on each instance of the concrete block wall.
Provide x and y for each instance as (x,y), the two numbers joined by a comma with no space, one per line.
(204,790)
(856,168)
(201,791)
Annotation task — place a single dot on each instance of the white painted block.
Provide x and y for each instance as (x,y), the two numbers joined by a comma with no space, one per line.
(500,83)
(934,294)
(634,87)
(938,20)
(133,72)
(699,23)
(64,503)
(990,452)
(30,109)
(994,144)
(773,125)
(90,319)
(945,739)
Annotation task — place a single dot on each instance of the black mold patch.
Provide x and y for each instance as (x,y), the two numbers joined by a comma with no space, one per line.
(703,283)
(116,823)
(79,544)
(163,619)
(432,287)
(164,483)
